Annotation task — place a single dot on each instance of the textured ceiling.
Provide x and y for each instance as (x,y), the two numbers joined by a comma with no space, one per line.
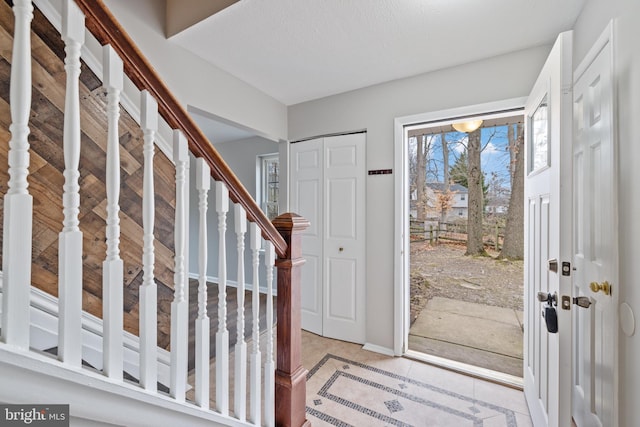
(299,50)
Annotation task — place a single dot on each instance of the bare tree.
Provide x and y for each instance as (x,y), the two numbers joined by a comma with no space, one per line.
(420,167)
(513,151)
(446,192)
(475,244)
(420,178)
(513,247)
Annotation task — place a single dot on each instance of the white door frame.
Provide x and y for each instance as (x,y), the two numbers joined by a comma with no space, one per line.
(401,200)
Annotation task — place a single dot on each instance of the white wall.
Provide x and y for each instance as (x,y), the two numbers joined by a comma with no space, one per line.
(192,80)
(626,14)
(374,109)
(241,158)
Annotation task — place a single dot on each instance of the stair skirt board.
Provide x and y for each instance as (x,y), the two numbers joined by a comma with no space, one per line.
(93,396)
(44,331)
(44,336)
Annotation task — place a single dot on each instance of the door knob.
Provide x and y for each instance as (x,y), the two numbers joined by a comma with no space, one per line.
(605,287)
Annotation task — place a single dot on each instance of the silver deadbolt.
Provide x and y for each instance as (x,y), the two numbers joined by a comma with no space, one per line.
(553,265)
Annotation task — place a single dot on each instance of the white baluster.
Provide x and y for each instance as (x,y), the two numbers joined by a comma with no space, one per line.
(70,238)
(240,400)
(149,289)
(18,203)
(203,183)
(222,336)
(112,267)
(269,366)
(255,241)
(179,305)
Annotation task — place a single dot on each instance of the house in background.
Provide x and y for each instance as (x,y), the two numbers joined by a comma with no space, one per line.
(497,201)
(459,204)
(497,206)
(219,93)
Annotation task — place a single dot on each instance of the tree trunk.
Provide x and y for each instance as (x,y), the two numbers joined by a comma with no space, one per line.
(475,245)
(513,247)
(513,151)
(420,179)
(445,161)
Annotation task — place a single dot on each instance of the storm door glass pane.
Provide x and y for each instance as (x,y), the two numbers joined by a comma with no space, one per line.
(540,155)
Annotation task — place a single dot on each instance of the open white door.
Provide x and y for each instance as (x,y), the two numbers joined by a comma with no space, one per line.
(548,203)
(328,188)
(595,242)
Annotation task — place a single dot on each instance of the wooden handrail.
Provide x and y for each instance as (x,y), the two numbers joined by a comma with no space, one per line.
(107,30)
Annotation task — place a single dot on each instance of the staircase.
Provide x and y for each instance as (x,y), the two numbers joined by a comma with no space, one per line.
(99,202)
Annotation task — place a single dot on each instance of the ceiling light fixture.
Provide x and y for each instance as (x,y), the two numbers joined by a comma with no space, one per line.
(468,126)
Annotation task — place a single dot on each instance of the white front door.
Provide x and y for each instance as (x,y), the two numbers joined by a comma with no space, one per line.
(595,242)
(547,356)
(328,188)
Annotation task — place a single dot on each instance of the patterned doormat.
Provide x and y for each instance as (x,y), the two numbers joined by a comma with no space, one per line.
(343,392)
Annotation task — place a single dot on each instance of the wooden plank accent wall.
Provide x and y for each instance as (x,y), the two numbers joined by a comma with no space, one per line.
(46,180)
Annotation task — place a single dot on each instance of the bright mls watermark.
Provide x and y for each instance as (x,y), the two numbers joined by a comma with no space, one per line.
(34,415)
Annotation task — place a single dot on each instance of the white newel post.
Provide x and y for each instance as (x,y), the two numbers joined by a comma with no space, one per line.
(112,267)
(18,203)
(70,239)
(269,366)
(222,335)
(203,184)
(148,290)
(255,241)
(179,305)
(240,387)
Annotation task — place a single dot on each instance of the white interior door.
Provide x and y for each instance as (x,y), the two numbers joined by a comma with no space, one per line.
(344,237)
(548,119)
(306,199)
(595,242)
(328,188)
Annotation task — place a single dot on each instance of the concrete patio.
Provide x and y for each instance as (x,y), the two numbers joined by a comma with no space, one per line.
(476,334)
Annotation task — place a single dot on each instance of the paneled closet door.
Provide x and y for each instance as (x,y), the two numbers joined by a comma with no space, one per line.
(328,188)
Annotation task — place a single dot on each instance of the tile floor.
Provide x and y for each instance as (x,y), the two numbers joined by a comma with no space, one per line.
(349,386)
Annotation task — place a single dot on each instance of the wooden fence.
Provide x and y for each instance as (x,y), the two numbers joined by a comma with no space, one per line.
(435,231)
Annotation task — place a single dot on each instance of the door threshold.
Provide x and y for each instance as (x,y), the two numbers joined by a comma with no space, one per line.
(466,369)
